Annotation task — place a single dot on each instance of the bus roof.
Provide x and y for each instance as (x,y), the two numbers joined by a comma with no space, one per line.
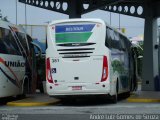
(76,20)
(5,24)
(85,20)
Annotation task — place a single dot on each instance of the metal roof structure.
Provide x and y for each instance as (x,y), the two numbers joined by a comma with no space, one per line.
(147,9)
(75,8)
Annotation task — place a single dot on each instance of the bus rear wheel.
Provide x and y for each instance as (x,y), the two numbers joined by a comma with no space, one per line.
(114,98)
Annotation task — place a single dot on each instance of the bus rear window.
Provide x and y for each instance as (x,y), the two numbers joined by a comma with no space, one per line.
(73,33)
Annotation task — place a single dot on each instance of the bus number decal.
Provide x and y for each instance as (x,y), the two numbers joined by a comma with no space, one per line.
(55,60)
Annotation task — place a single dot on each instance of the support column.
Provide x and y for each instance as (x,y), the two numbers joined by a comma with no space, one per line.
(75,7)
(159,50)
(150,59)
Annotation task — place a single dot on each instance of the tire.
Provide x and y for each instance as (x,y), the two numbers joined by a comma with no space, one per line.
(21,96)
(127,94)
(41,88)
(114,98)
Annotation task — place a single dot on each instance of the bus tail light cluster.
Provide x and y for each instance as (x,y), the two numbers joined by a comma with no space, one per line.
(48,71)
(105,69)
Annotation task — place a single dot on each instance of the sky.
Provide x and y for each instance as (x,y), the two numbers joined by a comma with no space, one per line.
(37,16)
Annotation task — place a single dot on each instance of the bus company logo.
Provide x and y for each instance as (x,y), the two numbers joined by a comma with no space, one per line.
(14,64)
(74,28)
(76,44)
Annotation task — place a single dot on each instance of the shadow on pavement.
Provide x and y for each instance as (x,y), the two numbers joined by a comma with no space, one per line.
(5,100)
(90,101)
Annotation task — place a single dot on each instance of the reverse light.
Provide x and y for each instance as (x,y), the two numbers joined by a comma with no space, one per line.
(105,69)
(48,71)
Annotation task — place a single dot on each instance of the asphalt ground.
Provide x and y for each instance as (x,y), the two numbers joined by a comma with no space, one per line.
(45,100)
(80,109)
(39,99)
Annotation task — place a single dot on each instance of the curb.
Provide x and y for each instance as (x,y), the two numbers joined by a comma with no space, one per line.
(31,104)
(145,100)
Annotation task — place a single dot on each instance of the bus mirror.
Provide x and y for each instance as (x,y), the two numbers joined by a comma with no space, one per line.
(38,47)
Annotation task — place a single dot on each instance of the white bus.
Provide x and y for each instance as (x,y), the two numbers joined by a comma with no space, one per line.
(15,59)
(88,57)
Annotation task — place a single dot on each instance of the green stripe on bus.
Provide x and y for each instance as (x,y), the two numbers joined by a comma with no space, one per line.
(72,37)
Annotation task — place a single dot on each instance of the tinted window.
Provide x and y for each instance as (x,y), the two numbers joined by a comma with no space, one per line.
(112,39)
(123,44)
(29,39)
(7,42)
(108,38)
(22,39)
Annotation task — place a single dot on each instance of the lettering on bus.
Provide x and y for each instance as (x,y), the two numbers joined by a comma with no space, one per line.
(15,63)
(74,28)
(70,29)
(55,60)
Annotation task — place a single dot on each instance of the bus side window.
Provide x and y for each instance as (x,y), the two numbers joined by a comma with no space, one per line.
(30,45)
(108,38)
(2,45)
(8,43)
(12,44)
(29,41)
(123,44)
(115,42)
(127,43)
(116,36)
(22,39)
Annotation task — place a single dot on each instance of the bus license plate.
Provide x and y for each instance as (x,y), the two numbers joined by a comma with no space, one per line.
(76,87)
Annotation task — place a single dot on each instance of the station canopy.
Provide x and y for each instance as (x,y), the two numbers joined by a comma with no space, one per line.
(75,8)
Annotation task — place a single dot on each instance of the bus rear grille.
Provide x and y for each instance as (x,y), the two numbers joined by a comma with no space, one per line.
(75,50)
(78,49)
(75,56)
(76,53)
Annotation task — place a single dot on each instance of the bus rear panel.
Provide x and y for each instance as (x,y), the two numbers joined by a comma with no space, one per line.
(77,61)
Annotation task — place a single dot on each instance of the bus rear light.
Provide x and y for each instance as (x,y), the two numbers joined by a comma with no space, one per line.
(48,71)
(105,69)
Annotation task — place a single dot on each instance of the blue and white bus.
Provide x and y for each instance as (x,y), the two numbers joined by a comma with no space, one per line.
(88,57)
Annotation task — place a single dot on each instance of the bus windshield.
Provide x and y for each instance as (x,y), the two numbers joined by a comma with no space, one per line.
(73,33)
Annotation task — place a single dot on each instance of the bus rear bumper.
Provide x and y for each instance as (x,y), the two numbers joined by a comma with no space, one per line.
(78,89)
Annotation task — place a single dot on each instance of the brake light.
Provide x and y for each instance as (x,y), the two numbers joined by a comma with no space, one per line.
(105,69)
(48,71)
